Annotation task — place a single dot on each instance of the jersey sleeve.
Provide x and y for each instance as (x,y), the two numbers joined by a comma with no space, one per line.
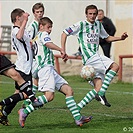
(73,29)
(103,33)
(45,38)
(15,31)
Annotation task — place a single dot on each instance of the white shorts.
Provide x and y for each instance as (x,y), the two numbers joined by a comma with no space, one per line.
(49,79)
(100,63)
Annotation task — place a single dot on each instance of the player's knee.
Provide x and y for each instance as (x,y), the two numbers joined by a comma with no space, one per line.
(69,91)
(66,90)
(115,67)
(49,97)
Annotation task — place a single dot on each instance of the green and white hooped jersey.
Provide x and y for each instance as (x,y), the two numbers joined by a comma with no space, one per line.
(88,37)
(32,29)
(43,55)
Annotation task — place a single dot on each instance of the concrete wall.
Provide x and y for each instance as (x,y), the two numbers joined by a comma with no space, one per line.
(123,18)
(64,13)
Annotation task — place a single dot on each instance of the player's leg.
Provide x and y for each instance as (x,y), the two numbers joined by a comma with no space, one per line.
(7,105)
(34,90)
(28,90)
(24,112)
(7,69)
(11,101)
(108,78)
(72,106)
(12,73)
(35,82)
(35,85)
(35,76)
(45,85)
(91,94)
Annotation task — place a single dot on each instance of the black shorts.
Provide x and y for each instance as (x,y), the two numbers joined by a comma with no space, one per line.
(5,64)
(26,77)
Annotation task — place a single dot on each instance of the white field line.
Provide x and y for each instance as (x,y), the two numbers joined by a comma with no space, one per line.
(6,82)
(108,91)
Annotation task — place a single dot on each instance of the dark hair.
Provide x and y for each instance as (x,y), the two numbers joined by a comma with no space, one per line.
(100,10)
(45,20)
(90,7)
(16,12)
(37,6)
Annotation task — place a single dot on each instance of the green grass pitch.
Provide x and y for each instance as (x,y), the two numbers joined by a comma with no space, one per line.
(54,117)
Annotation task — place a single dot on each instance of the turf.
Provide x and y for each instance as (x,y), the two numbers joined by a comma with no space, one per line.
(54,117)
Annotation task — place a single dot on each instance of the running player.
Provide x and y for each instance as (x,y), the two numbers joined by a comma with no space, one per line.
(21,43)
(49,79)
(88,33)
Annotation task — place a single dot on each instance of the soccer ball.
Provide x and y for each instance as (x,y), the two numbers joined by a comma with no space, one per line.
(87,72)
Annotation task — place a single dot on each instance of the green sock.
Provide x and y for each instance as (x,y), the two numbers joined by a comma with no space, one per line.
(26,103)
(34,88)
(30,107)
(43,99)
(108,78)
(89,96)
(73,108)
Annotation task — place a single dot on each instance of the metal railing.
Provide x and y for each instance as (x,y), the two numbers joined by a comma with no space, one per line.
(57,65)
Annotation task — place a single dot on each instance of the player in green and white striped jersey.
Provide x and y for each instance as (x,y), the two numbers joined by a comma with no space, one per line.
(88,33)
(38,12)
(49,79)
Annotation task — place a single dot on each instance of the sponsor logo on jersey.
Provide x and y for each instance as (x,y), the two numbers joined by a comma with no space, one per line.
(47,39)
(69,30)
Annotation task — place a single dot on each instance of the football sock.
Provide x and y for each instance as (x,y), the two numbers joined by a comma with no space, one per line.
(88,98)
(30,107)
(71,105)
(12,99)
(7,110)
(26,103)
(34,88)
(43,99)
(26,88)
(108,78)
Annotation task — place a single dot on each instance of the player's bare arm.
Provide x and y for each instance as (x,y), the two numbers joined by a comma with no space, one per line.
(55,47)
(113,38)
(22,25)
(63,40)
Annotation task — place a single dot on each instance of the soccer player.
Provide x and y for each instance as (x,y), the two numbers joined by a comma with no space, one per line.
(21,43)
(38,12)
(49,79)
(88,32)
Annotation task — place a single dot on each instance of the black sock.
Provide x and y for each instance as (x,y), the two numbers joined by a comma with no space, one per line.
(7,110)
(27,89)
(12,99)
